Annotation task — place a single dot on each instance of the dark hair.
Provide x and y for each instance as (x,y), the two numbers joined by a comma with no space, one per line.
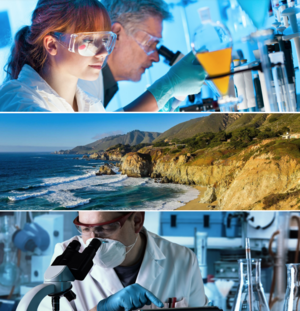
(53,16)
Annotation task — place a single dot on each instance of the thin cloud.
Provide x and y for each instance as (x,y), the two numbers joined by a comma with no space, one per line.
(107,134)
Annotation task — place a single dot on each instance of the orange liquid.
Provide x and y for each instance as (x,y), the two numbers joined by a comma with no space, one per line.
(215,63)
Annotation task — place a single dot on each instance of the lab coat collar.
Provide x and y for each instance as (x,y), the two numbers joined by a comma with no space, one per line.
(153,249)
(33,80)
(149,271)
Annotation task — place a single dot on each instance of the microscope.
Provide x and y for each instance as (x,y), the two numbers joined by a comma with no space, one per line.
(66,268)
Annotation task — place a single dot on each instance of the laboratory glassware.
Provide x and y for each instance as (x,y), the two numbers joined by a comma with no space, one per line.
(292,295)
(249,274)
(9,271)
(241,301)
(257,10)
(201,251)
(212,45)
(281,83)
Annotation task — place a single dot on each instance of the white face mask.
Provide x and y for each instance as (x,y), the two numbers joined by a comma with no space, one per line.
(111,252)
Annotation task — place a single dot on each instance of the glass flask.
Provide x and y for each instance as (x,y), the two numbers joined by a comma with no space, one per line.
(241,301)
(257,10)
(212,45)
(292,295)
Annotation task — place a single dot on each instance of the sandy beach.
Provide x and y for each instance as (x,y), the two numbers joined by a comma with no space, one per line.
(194,205)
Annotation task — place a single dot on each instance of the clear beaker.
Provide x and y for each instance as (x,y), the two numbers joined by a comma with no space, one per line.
(241,301)
(292,295)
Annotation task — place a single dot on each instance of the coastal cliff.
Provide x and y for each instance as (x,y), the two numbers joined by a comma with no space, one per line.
(258,177)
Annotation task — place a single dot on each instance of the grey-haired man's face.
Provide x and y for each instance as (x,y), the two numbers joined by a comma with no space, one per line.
(128,60)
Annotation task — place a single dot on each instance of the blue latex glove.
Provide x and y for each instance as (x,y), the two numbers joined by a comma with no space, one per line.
(131,297)
(184,78)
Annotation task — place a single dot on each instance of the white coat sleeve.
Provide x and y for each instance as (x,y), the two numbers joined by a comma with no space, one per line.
(46,304)
(197,294)
(16,97)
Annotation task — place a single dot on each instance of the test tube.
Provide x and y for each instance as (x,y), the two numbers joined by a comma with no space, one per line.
(249,273)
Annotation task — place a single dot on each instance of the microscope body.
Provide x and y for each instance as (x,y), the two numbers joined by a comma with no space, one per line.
(58,278)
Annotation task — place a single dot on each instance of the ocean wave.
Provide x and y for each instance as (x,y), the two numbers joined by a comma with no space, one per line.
(62,180)
(77,203)
(133,182)
(28,195)
(181,199)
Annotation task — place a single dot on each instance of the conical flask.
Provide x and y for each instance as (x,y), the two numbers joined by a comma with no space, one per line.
(257,10)
(292,295)
(241,301)
(212,45)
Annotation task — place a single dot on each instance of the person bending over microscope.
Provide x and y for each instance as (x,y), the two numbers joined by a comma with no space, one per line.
(133,269)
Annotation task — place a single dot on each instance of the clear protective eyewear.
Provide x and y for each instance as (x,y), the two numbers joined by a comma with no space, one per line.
(88,43)
(147,42)
(101,230)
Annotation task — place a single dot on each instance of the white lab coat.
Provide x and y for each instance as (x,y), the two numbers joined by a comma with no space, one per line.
(94,88)
(168,270)
(31,93)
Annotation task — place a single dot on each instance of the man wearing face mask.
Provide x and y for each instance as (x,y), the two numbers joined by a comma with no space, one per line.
(133,268)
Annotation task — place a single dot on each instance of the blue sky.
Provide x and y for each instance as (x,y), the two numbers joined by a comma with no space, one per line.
(50,132)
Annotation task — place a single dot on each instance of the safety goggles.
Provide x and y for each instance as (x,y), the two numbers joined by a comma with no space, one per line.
(88,43)
(101,230)
(146,41)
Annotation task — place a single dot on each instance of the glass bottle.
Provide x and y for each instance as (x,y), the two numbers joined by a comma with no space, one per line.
(241,299)
(292,295)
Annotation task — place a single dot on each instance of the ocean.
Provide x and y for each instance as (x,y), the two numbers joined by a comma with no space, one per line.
(45,181)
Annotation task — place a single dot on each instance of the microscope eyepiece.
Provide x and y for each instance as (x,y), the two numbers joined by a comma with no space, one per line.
(95,243)
(74,245)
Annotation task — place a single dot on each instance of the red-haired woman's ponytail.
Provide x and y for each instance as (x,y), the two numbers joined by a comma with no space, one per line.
(19,54)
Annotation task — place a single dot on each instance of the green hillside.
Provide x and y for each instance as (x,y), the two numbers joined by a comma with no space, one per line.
(213,123)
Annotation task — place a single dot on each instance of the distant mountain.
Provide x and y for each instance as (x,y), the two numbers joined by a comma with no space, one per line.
(213,123)
(132,138)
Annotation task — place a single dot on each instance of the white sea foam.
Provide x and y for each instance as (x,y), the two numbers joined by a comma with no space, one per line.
(133,182)
(102,188)
(185,195)
(77,203)
(66,199)
(64,180)
(28,195)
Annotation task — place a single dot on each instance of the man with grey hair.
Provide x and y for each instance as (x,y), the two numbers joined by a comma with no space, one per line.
(138,26)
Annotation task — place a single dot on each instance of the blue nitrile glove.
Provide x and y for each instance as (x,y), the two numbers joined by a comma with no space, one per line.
(184,78)
(131,297)
(172,105)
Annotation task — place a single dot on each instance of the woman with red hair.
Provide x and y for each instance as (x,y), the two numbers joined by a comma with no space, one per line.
(67,40)
(70,40)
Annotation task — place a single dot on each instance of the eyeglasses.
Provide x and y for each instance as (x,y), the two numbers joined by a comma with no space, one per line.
(146,41)
(101,230)
(88,43)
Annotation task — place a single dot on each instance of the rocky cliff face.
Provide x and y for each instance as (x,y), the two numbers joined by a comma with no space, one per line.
(243,182)
(114,155)
(259,178)
(136,165)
